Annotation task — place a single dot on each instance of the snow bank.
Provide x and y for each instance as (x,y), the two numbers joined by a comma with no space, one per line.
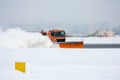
(17,38)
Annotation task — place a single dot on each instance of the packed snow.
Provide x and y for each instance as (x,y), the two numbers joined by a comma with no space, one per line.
(61,64)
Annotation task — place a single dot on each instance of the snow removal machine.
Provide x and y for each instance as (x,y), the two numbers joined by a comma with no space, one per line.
(59,37)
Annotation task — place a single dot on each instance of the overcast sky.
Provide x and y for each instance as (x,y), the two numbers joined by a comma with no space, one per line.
(60,11)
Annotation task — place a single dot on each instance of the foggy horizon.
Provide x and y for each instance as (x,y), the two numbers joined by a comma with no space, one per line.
(60,11)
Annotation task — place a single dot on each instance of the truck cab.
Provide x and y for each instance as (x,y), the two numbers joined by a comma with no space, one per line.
(57,35)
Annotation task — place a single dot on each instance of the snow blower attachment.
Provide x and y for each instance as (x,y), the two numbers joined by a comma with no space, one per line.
(59,37)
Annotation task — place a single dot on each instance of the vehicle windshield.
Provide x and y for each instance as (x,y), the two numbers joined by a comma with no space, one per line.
(60,34)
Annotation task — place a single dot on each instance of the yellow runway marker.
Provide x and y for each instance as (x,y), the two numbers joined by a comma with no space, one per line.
(20,66)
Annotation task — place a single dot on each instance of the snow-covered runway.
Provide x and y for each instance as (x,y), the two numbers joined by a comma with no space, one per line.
(61,64)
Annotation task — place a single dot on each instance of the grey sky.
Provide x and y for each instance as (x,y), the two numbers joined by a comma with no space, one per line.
(60,11)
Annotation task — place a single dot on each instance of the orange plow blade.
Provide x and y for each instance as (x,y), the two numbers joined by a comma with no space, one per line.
(71,45)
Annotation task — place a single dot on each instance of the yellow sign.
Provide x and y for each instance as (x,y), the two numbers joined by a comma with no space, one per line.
(20,66)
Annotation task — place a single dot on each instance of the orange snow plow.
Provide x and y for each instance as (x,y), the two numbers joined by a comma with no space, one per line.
(71,45)
(59,37)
